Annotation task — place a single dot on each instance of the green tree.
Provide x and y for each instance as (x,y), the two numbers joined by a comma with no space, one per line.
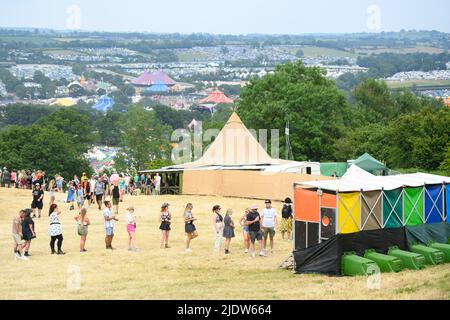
(42,147)
(109,127)
(74,124)
(304,97)
(144,139)
(445,165)
(374,97)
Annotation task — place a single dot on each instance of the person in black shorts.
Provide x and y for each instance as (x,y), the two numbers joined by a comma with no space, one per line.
(28,231)
(116,196)
(38,200)
(254,226)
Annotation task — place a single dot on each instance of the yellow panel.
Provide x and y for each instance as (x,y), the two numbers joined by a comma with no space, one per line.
(349,216)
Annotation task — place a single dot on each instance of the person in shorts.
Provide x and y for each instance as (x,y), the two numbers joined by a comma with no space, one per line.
(269,223)
(99,192)
(38,200)
(254,227)
(115,196)
(109,219)
(17,236)
(131,229)
(189,227)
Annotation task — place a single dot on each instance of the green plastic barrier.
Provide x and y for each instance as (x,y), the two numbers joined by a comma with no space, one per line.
(409,260)
(385,262)
(354,265)
(444,248)
(432,256)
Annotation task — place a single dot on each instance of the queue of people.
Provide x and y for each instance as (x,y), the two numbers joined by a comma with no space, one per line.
(258,230)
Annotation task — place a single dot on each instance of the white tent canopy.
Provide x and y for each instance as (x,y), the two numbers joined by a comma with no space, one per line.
(367,183)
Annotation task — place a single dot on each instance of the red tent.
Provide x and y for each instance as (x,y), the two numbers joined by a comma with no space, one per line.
(216,97)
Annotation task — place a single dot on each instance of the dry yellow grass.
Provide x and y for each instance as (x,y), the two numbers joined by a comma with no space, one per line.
(154,273)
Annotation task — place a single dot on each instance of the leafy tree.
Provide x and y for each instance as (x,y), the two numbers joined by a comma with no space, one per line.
(304,97)
(74,124)
(110,128)
(445,165)
(42,147)
(375,99)
(144,139)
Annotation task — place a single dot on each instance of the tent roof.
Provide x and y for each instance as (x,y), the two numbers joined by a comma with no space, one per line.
(234,146)
(369,163)
(356,184)
(216,97)
(104,103)
(356,172)
(149,79)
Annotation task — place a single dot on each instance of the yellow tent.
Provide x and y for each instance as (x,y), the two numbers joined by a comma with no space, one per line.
(64,102)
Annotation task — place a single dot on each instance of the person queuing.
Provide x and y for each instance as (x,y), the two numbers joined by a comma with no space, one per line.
(269,223)
(228,230)
(14,181)
(131,229)
(92,185)
(99,190)
(83,224)
(71,190)
(217,223)
(254,227)
(80,196)
(38,200)
(189,227)
(245,231)
(166,220)
(286,219)
(28,232)
(55,230)
(122,187)
(157,183)
(17,235)
(6,178)
(109,219)
(115,196)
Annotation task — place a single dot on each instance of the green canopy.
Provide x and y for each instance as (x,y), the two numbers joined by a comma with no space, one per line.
(369,163)
(330,168)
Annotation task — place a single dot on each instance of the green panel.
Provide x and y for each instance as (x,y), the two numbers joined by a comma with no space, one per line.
(413,206)
(329,168)
(393,219)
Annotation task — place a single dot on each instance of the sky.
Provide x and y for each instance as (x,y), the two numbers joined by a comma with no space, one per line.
(228,16)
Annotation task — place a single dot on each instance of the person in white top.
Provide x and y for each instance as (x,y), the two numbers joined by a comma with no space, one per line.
(157,184)
(131,229)
(269,223)
(109,219)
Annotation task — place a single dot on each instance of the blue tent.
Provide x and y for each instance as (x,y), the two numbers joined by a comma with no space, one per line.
(159,88)
(104,103)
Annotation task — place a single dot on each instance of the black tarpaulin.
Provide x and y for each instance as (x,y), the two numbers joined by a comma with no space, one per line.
(325,258)
(424,233)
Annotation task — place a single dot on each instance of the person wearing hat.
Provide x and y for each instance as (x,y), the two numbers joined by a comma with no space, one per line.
(254,227)
(269,223)
(166,220)
(286,218)
(217,222)
(38,200)
(131,229)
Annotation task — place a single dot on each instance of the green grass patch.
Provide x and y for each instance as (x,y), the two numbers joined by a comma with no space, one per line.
(418,83)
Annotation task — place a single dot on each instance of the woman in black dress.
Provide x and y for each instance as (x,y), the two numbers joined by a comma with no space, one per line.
(189,226)
(165,219)
(28,231)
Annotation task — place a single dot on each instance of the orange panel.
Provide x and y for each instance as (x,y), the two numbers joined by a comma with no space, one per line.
(306,205)
(328,200)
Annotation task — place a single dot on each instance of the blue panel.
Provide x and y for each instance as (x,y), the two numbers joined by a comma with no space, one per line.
(447,201)
(434,204)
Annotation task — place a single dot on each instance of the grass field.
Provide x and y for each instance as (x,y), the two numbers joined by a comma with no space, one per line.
(154,273)
(418,83)
(192,56)
(418,49)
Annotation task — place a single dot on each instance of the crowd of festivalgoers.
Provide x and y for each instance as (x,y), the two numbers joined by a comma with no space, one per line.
(106,192)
